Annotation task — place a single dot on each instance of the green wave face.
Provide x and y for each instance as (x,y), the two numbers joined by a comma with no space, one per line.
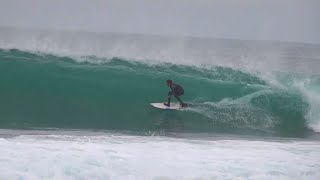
(46,91)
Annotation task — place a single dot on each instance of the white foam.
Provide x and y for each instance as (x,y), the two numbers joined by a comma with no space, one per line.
(129,157)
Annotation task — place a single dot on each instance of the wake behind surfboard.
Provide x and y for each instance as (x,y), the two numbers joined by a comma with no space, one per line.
(173,106)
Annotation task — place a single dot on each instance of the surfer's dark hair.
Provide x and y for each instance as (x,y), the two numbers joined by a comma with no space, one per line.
(169,81)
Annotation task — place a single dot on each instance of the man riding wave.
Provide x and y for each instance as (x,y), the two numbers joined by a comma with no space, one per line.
(176,91)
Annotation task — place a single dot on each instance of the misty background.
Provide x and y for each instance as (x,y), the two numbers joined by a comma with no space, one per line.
(281,20)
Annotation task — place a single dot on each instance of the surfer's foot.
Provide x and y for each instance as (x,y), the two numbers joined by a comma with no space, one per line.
(184,105)
(166,104)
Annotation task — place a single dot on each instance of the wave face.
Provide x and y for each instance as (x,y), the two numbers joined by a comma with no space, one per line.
(49,89)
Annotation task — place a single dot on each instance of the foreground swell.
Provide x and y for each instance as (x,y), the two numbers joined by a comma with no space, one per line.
(115,157)
(46,91)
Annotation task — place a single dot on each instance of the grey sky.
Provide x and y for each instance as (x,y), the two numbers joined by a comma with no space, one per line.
(285,20)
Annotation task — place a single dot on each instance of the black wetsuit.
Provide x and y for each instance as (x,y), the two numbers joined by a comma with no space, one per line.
(176,91)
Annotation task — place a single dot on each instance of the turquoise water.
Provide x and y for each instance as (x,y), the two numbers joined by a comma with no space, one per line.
(41,90)
(80,104)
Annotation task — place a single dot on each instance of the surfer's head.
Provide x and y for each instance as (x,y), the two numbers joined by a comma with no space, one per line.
(169,82)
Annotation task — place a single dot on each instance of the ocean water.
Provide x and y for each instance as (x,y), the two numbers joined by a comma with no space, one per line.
(79,103)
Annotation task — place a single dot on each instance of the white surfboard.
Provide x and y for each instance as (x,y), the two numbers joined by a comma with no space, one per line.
(173,106)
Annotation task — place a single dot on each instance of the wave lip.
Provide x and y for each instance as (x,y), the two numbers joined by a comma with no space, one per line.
(265,56)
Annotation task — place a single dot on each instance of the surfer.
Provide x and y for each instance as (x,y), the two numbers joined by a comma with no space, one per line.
(176,91)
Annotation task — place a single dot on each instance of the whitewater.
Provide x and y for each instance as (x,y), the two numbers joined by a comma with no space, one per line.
(75,105)
(134,157)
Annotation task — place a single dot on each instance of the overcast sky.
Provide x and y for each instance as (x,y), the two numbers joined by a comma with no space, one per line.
(285,20)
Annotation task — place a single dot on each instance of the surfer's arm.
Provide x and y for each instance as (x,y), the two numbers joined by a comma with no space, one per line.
(169,94)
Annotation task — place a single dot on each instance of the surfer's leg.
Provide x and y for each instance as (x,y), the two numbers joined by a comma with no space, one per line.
(169,99)
(182,104)
(178,98)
